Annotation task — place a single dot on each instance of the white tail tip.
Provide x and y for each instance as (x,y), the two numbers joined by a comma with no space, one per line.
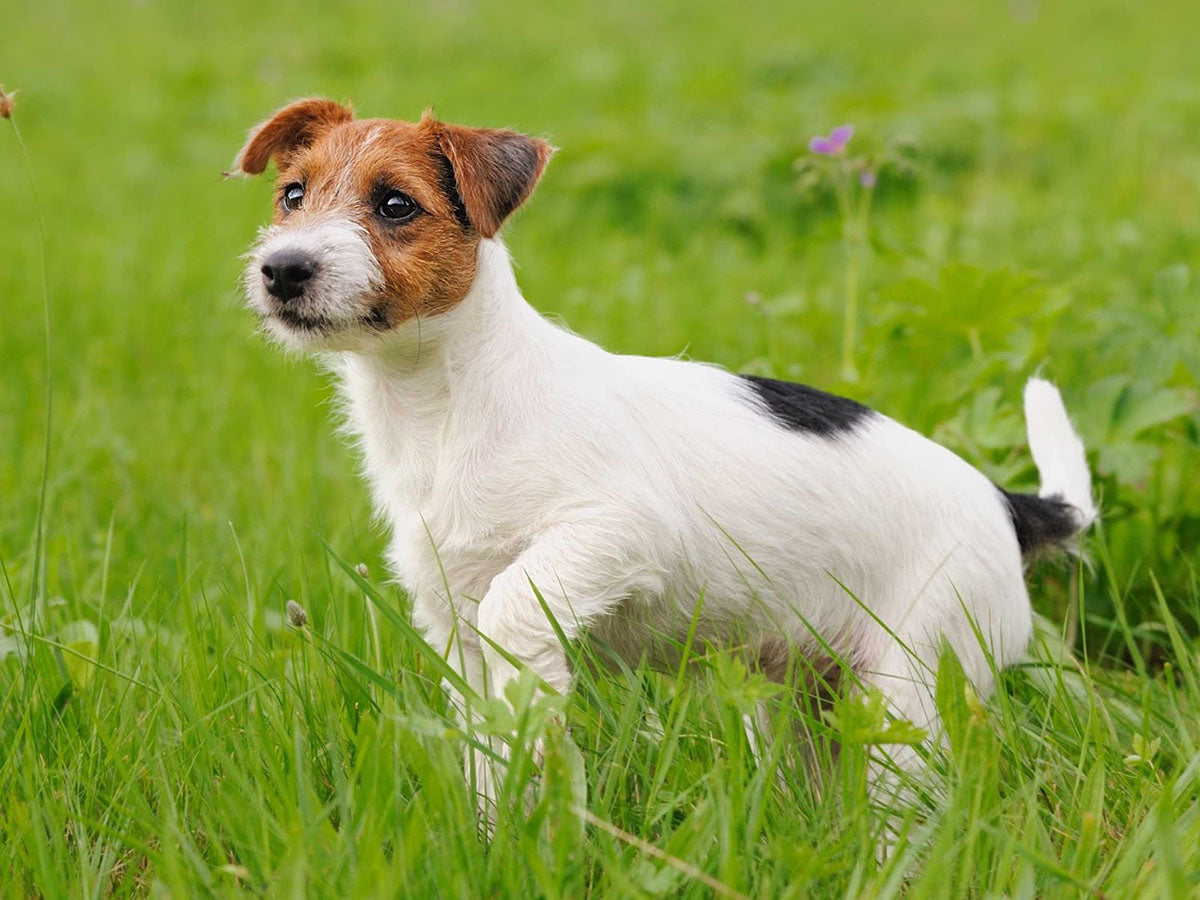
(1057,450)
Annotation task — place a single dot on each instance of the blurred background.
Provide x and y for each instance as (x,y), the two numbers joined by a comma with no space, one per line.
(1036,206)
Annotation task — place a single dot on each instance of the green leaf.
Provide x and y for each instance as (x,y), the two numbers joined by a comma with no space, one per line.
(863,719)
(9,646)
(1141,410)
(1130,461)
(83,641)
(951,699)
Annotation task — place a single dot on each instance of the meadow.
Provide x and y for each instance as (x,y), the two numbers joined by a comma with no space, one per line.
(168,481)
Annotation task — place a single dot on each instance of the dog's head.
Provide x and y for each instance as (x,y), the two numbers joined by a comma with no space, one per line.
(377,222)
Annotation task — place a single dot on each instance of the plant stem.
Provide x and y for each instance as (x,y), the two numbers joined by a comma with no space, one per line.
(854,230)
(39,528)
(850,307)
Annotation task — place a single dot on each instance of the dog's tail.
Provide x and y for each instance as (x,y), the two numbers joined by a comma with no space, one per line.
(1063,505)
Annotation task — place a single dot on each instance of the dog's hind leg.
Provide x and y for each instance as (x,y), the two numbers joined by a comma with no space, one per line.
(906,680)
(811,680)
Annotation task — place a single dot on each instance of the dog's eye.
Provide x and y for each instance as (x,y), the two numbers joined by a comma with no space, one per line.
(396,206)
(293,196)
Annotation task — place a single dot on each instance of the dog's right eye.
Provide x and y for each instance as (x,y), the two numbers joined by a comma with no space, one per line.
(293,196)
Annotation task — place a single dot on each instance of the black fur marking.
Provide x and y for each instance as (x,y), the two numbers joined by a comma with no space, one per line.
(449,186)
(517,162)
(804,408)
(377,318)
(317,324)
(1040,522)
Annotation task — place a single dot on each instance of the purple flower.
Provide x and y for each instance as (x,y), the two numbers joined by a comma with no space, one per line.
(835,143)
(867,179)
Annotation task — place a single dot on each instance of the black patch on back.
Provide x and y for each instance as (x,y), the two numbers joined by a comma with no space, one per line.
(804,408)
(1040,522)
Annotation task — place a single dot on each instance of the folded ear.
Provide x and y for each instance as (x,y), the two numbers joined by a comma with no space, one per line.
(495,171)
(292,128)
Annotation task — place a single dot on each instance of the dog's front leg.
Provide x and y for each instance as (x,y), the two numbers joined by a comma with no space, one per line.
(580,573)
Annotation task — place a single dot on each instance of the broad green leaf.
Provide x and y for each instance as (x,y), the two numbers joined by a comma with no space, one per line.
(82,643)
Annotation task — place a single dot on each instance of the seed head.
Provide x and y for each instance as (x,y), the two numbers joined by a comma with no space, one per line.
(296,615)
(6,103)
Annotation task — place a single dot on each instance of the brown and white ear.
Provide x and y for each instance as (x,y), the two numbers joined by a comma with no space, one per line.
(495,171)
(290,129)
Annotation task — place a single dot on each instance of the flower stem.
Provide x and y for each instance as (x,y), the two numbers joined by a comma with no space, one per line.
(854,232)
(850,307)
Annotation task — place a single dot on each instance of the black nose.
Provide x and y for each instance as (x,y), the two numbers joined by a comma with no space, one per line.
(286,272)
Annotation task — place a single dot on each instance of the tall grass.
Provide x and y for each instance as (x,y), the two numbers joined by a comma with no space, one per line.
(240,756)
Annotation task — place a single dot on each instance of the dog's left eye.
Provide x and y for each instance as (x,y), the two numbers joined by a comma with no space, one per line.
(293,196)
(396,206)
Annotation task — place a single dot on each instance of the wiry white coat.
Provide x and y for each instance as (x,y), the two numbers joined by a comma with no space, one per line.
(504,450)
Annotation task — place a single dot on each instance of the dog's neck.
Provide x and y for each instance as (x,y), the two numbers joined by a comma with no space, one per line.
(408,400)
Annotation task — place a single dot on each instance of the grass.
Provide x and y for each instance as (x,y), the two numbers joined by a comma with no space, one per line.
(164,731)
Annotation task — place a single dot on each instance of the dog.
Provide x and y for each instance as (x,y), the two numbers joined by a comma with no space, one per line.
(646,499)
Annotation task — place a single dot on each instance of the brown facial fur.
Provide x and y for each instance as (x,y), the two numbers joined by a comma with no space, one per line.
(465,181)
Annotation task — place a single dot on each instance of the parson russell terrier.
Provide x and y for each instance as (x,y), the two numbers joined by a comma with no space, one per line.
(639,495)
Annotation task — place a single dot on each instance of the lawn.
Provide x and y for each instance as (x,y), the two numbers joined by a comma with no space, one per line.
(164,731)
